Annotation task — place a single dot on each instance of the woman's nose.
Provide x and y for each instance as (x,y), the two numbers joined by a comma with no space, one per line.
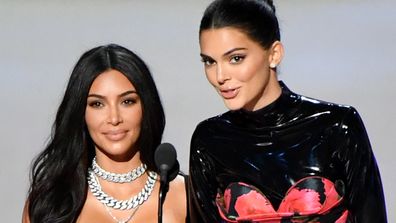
(114,116)
(221,75)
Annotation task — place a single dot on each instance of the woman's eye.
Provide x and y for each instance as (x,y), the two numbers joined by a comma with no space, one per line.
(96,104)
(129,102)
(236,59)
(207,62)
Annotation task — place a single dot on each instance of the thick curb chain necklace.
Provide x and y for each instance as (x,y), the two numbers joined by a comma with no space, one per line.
(109,201)
(116,177)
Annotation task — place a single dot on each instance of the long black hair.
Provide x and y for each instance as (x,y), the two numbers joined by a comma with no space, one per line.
(58,177)
(256,18)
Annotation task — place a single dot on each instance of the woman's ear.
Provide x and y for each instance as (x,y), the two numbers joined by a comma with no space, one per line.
(276,54)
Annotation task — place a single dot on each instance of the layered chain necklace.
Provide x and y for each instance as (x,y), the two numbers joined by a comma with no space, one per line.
(134,202)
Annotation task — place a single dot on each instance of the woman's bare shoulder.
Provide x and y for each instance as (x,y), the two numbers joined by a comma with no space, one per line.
(177,190)
(176,199)
(178,183)
(25,214)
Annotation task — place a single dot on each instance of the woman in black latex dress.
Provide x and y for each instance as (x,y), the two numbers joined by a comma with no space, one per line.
(276,156)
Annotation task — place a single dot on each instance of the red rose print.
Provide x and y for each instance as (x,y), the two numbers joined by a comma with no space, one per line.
(343,217)
(332,196)
(305,201)
(253,203)
(227,199)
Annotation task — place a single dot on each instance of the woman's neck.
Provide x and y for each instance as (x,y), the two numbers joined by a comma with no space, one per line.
(119,164)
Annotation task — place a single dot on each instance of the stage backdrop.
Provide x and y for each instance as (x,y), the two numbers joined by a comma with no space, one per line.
(340,51)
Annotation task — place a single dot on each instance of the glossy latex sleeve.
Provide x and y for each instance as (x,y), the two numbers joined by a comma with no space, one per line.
(364,194)
(272,148)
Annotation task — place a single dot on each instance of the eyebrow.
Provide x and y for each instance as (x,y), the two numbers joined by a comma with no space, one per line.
(233,50)
(226,53)
(121,95)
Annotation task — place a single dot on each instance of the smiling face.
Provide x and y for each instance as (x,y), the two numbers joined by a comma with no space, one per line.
(113,114)
(240,69)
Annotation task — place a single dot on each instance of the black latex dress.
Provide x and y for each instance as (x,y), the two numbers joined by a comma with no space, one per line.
(294,139)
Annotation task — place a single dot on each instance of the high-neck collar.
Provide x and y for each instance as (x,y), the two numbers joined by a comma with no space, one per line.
(270,115)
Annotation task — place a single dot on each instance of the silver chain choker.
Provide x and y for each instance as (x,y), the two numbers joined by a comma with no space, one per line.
(133,202)
(118,177)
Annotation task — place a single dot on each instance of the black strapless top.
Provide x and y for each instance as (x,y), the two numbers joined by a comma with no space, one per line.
(242,160)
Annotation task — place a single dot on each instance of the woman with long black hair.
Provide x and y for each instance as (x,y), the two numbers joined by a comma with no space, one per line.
(99,163)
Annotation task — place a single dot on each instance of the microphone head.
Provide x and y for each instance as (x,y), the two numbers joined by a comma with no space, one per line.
(165,157)
(174,171)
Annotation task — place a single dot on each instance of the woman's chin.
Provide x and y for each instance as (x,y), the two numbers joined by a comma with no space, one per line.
(233,105)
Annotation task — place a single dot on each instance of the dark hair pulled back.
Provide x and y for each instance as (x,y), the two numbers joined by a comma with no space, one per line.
(256,18)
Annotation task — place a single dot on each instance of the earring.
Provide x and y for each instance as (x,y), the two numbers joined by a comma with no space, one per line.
(272,65)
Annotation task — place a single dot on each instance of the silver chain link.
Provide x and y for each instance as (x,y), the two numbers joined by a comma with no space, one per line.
(109,201)
(118,177)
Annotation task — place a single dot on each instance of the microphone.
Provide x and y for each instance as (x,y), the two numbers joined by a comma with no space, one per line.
(165,159)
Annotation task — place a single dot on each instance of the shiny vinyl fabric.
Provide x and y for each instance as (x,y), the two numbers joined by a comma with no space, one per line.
(273,148)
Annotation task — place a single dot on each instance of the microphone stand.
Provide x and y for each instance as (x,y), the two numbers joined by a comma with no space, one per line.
(164,187)
(165,160)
